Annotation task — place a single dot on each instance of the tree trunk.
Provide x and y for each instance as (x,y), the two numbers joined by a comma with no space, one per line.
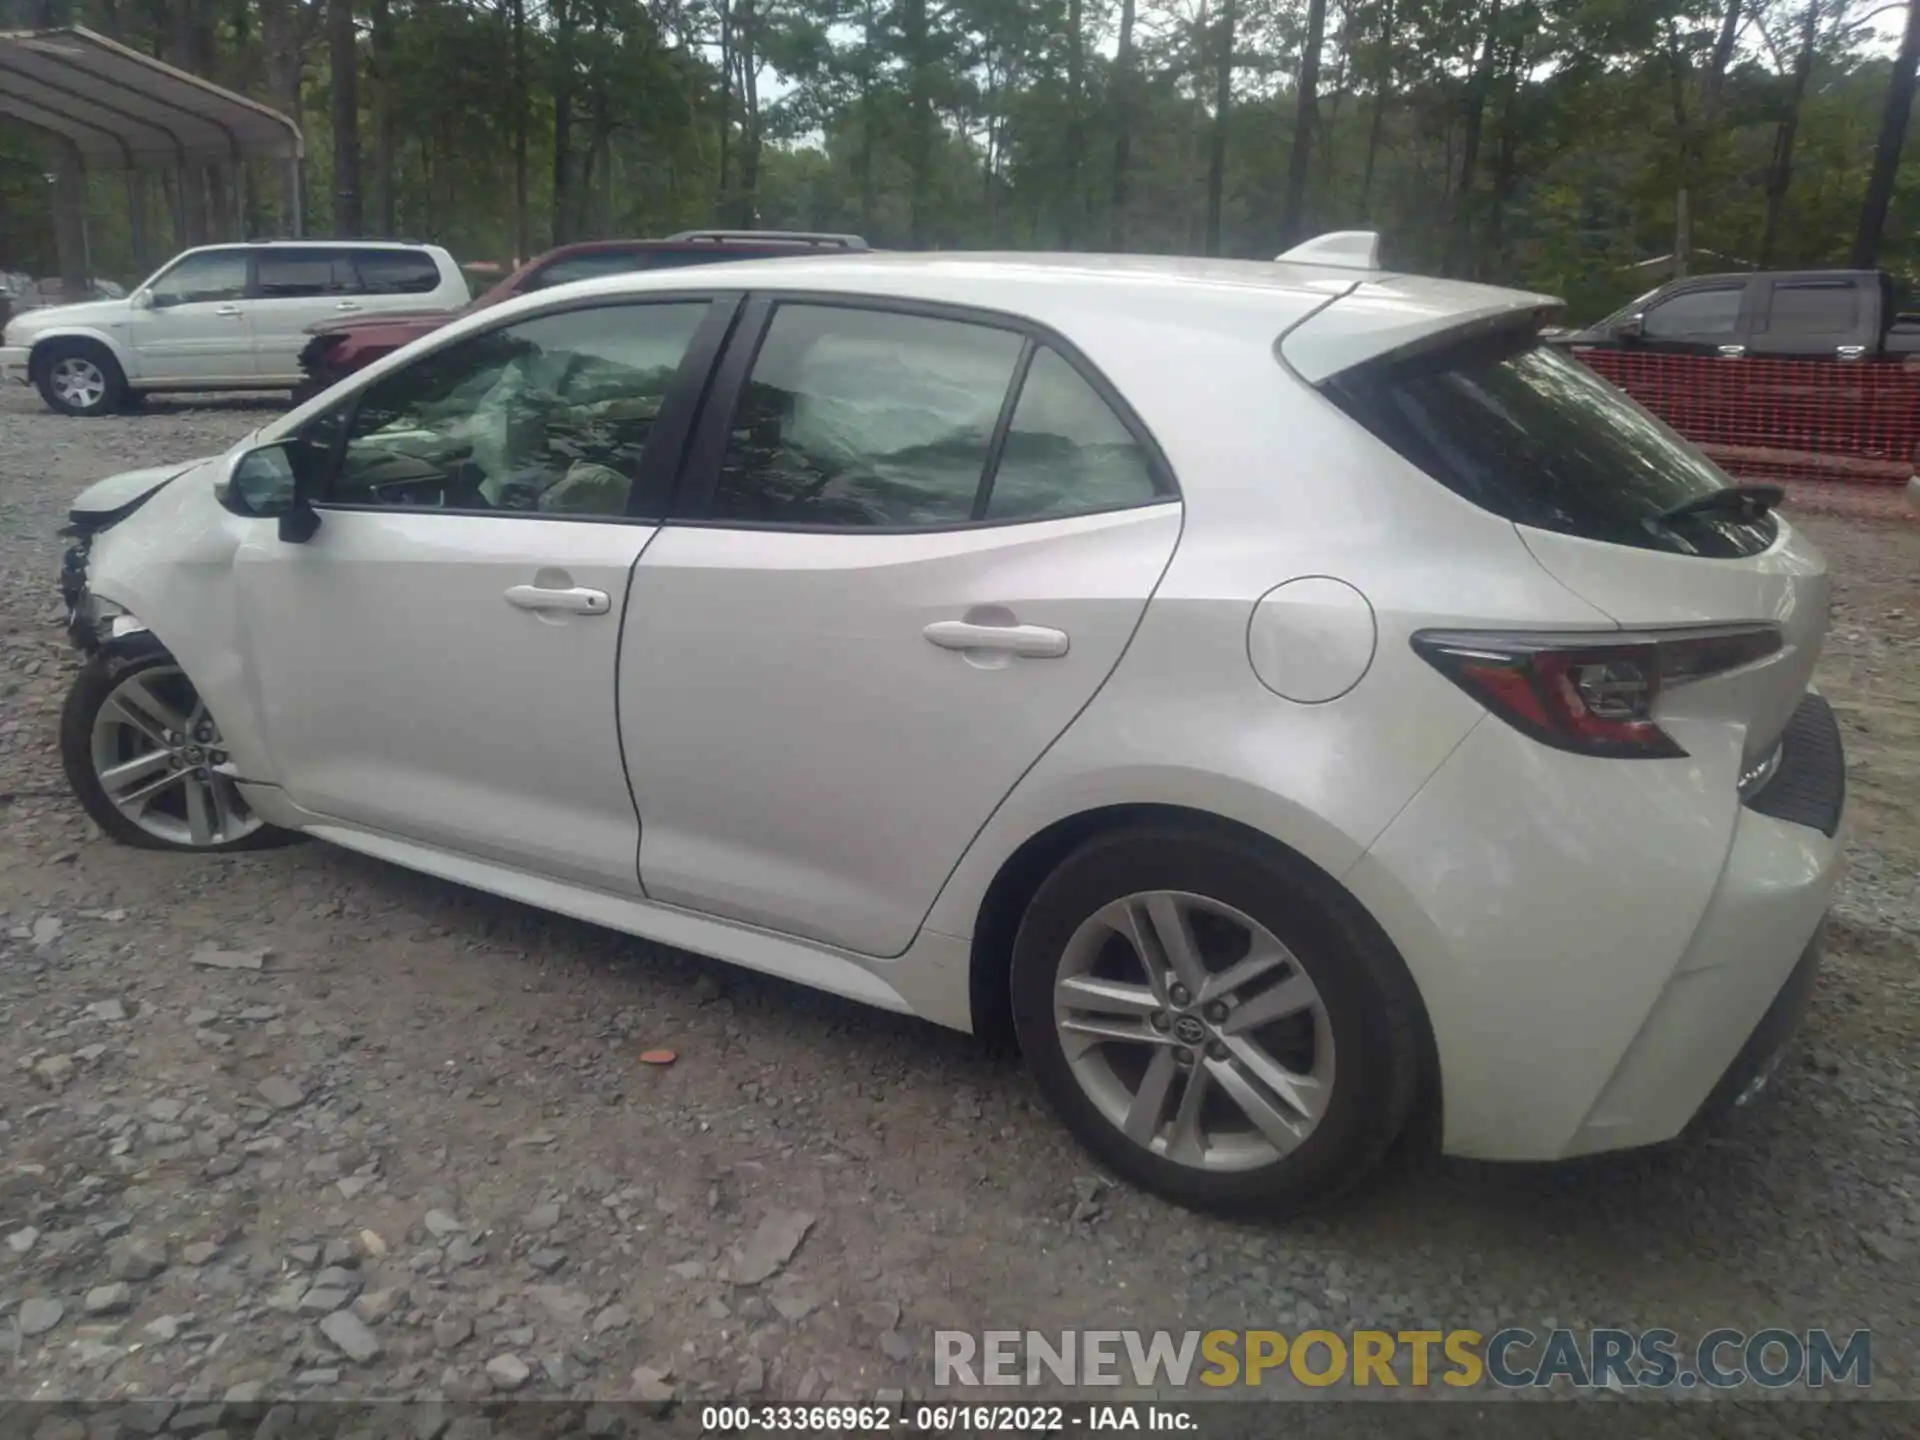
(1693,134)
(1780,166)
(1076,138)
(747,57)
(137,209)
(919,123)
(1306,116)
(1123,72)
(1886,153)
(1383,95)
(522,221)
(283,35)
(1217,146)
(563,24)
(345,66)
(869,51)
(385,141)
(726,109)
(70,217)
(1475,119)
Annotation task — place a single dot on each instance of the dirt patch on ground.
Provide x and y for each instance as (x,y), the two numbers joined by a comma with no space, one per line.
(425,1112)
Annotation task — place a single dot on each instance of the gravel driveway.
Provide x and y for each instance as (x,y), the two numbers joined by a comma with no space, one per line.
(397,1139)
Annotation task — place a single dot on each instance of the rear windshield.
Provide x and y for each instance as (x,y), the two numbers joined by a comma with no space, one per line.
(591,265)
(1540,440)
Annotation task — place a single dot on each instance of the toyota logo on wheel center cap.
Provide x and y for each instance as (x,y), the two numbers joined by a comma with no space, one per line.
(1188,1030)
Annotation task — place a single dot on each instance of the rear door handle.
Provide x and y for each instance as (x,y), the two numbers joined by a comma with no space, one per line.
(577,601)
(229,310)
(346,305)
(1036,642)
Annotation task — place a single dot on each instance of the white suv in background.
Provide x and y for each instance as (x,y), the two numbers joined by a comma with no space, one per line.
(222,317)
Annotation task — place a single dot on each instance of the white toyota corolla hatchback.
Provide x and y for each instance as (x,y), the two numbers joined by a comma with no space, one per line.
(1287,697)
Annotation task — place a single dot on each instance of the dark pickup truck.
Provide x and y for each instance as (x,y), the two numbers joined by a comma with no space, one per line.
(1778,375)
(1785,314)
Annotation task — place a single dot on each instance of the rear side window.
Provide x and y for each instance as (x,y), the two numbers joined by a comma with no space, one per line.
(1814,307)
(1540,440)
(397,272)
(860,418)
(288,273)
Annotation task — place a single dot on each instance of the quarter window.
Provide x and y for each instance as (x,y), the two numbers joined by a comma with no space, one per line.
(210,275)
(397,272)
(281,273)
(1066,452)
(550,416)
(865,418)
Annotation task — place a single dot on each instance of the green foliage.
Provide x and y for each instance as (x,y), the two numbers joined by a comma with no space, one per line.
(1536,142)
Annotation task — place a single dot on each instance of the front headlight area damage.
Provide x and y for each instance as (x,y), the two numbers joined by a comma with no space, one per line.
(93,623)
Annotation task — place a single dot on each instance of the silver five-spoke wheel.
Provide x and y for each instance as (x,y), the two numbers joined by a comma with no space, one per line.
(156,753)
(1194,1030)
(78,381)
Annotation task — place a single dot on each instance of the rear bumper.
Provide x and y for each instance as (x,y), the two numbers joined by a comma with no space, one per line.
(1602,945)
(1753,1067)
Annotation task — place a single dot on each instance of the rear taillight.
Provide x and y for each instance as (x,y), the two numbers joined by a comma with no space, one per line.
(1593,694)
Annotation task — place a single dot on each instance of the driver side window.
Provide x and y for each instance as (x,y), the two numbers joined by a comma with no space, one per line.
(210,275)
(550,416)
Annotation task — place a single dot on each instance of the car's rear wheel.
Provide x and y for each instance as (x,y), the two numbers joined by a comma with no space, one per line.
(1215,1022)
(141,751)
(79,377)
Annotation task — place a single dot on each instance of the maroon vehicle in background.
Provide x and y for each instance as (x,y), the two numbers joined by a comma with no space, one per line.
(340,347)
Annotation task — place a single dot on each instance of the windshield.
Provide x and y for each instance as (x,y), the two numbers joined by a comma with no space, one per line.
(1541,440)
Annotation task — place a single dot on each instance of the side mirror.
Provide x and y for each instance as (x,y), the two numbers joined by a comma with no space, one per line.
(142,300)
(264,485)
(1631,328)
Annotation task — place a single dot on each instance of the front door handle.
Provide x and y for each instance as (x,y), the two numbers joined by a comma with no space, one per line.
(576,601)
(346,305)
(229,310)
(1035,642)
(1732,352)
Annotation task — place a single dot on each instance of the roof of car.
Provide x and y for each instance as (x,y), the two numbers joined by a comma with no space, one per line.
(1386,310)
(276,244)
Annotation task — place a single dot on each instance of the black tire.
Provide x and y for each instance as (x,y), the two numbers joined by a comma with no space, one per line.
(48,358)
(1372,1008)
(97,680)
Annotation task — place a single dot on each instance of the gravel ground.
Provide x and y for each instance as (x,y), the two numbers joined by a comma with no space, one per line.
(414,1151)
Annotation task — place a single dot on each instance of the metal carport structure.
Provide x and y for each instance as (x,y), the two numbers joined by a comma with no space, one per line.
(122,110)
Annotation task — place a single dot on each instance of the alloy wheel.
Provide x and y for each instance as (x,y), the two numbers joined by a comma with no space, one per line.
(1194,1031)
(155,752)
(78,381)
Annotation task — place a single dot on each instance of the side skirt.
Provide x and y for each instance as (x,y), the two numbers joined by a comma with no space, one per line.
(928,981)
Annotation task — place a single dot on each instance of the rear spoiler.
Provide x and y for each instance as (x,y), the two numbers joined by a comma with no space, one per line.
(1400,316)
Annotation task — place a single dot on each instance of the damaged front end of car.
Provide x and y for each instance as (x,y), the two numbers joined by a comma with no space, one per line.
(91,621)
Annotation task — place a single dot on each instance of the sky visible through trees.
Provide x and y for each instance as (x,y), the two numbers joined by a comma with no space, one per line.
(1584,147)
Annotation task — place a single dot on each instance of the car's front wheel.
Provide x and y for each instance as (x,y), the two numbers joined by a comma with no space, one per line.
(143,755)
(79,377)
(1215,1021)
